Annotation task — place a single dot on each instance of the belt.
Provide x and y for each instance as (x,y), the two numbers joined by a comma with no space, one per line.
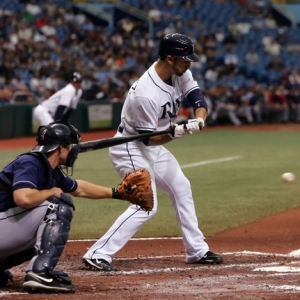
(120,129)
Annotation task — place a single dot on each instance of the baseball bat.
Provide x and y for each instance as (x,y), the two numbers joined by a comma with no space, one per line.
(109,142)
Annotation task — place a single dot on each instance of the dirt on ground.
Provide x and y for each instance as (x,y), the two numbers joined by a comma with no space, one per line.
(261,261)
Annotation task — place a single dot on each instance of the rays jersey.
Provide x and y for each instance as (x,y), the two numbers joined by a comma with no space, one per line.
(67,96)
(152,104)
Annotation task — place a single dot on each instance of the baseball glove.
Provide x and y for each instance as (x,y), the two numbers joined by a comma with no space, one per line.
(136,188)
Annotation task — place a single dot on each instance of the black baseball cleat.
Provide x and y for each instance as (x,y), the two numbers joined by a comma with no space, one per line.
(210,258)
(46,283)
(98,264)
(5,276)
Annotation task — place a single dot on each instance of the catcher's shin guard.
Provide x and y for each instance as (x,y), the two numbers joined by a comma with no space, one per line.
(54,238)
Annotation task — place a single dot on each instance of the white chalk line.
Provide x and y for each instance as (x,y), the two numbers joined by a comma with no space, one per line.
(3,294)
(211,161)
(284,287)
(294,253)
(174,269)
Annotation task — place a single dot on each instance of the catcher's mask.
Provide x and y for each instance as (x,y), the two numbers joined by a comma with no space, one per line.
(57,133)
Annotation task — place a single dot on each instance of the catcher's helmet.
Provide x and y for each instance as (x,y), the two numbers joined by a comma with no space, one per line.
(76,77)
(51,136)
(178,45)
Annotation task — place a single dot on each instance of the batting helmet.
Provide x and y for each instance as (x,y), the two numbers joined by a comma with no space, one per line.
(178,45)
(51,136)
(76,77)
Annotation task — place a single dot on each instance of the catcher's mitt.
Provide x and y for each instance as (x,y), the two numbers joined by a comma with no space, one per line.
(136,188)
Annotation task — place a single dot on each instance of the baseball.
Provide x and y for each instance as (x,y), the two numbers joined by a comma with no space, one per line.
(288,177)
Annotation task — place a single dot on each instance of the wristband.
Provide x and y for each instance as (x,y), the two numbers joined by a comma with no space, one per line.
(115,193)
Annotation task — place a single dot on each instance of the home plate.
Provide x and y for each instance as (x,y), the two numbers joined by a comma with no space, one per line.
(281,269)
(295,253)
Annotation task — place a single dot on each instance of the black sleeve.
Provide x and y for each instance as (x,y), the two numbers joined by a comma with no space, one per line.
(59,113)
(67,115)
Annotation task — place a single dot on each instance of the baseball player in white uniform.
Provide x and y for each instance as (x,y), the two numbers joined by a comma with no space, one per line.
(61,104)
(152,105)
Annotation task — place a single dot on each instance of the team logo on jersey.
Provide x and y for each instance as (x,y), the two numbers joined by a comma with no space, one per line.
(170,109)
(42,135)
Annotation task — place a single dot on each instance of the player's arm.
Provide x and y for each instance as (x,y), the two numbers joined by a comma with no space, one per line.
(89,190)
(29,197)
(199,104)
(59,114)
(65,101)
(155,140)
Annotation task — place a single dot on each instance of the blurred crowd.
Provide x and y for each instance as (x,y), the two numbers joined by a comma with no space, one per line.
(42,44)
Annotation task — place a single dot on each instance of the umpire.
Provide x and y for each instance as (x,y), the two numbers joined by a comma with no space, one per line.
(35,212)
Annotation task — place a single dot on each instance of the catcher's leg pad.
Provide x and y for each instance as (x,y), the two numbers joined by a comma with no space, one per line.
(54,238)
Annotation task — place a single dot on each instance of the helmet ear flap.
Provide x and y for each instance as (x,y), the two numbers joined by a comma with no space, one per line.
(51,136)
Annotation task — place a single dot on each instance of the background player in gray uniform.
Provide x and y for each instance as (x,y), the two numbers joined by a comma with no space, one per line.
(35,212)
(61,104)
(152,105)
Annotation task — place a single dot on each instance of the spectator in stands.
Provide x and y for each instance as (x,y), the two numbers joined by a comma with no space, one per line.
(234,36)
(219,35)
(293,47)
(243,26)
(51,82)
(277,106)
(273,48)
(294,78)
(266,40)
(126,25)
(211,74)
(252,57)
(282,37)
(154,14)
(24,31)
(239,105)
(276,64)
(259,6)
(258,23)
(6,96)
(220,107)
(270,22)
(230,64)
(257,102)
(293,100)
(32,8)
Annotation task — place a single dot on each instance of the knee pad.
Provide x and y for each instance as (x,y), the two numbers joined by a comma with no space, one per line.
(54,238)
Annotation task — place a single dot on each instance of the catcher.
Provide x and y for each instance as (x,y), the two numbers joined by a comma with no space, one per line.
(36,211)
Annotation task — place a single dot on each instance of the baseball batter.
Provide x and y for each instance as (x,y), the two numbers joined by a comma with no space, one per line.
(152,105)
(60,105)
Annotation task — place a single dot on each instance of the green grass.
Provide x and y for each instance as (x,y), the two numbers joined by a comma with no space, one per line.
(227,194)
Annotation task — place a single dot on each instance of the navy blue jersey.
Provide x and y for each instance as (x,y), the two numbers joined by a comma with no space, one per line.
(27,171)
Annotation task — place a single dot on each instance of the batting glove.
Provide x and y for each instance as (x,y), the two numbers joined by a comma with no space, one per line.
(194,125)
(178,131)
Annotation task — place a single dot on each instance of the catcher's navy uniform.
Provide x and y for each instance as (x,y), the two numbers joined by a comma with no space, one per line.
(38,233)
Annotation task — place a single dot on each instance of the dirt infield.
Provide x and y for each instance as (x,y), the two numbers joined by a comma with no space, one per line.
(261,261)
